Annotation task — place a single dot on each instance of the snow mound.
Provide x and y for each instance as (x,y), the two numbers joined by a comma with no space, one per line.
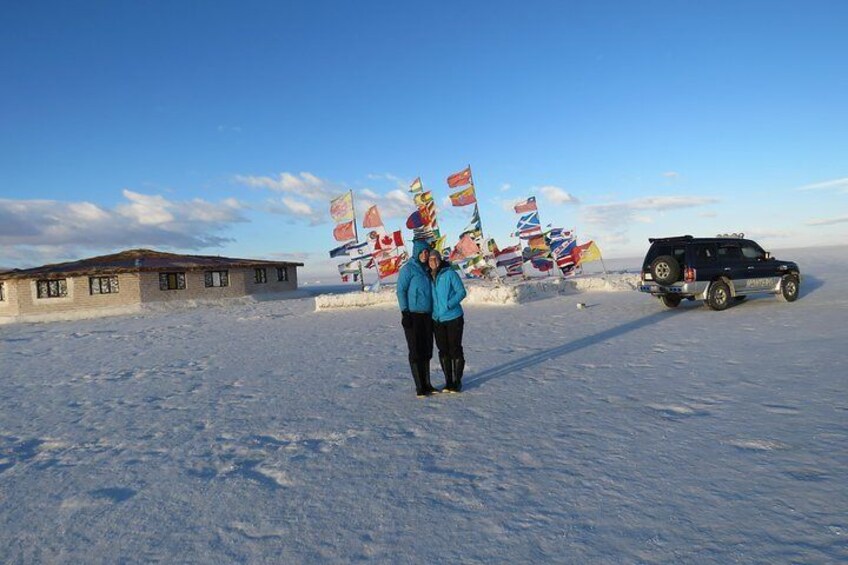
(492,293)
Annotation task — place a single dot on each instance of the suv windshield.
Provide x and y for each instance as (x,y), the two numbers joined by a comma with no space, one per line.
(751,250)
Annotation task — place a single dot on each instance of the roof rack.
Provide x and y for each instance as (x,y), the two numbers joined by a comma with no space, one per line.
(673,238)
(739,235)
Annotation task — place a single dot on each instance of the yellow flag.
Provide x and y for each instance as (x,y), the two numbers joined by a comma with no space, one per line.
(423,198)
(590,252)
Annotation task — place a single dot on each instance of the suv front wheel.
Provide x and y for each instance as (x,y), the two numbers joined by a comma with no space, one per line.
(788,288)
(718,297)
(665,269)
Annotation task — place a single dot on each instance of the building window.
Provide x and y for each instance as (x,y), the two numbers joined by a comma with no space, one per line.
(52,289)
(172,281)
(103,285)
(216,278)
(2,291)
(260,276)
(282,274)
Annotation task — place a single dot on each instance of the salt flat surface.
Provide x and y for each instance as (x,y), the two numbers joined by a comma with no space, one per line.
(498,293)
(268,432)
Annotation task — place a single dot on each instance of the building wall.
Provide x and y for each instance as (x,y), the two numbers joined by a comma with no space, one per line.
(21,300)
(79,296)
(241,283)
(9,304)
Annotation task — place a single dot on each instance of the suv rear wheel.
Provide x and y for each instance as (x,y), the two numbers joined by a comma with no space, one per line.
(665,269)
(670,300)
(718,297)
(789,288)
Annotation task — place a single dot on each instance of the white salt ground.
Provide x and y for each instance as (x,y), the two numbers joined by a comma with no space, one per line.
(268,432)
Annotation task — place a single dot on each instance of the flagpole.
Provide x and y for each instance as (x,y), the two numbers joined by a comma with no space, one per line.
(356,237)
(480,223)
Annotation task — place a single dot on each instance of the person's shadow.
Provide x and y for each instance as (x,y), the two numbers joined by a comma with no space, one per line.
(554,352)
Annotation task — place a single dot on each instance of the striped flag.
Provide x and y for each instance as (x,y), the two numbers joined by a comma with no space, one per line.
(528,205)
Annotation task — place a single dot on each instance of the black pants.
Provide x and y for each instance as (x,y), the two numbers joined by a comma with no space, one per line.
(419,337)
(449,337)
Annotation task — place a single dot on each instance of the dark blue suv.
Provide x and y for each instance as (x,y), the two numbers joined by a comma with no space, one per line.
(717,270)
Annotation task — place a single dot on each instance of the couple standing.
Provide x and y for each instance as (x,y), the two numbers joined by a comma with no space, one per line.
(429,294)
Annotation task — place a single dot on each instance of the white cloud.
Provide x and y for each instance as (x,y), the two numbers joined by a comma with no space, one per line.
(303,184)
(671,175)
(623,212)
(52,228)
(146,209)
(297,208)
(557,195)
(314,194)
(505,187)
(828,221)
(670,202)
(509,205)
(836,184)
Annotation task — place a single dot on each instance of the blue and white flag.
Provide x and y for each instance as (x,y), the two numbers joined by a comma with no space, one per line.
(342,249)
(360,250)
(528,221)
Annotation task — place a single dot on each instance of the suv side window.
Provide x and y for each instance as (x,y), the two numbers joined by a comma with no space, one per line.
(752,251)
(705,253)
(729,251)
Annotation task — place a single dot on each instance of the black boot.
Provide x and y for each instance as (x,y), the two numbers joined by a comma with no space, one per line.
(447,369)
(416,376)
(425,377)
(458,367)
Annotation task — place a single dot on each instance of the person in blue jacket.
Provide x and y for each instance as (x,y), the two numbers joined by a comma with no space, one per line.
(448,320)
(415,298)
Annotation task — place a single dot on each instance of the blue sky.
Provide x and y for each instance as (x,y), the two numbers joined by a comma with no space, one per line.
(223,128)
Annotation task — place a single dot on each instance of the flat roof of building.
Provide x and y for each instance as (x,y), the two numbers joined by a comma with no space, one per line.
(140,260)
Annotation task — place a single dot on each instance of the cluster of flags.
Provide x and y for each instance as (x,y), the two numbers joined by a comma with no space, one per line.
(470,255)
(540,250)
(381,250)
(423,222)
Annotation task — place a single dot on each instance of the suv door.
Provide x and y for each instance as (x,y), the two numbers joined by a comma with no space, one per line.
(759,271)
(731,263)
(705,261)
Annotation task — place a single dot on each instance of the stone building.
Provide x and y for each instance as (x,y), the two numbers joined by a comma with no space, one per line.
(123,282)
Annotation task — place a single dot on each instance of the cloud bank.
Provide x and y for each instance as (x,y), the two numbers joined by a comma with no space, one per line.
(306,197)
(55,228)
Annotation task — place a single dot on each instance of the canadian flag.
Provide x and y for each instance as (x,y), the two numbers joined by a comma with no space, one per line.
(383,242)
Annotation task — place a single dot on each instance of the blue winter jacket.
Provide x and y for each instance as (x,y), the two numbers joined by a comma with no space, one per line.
(413,285)
(448,292)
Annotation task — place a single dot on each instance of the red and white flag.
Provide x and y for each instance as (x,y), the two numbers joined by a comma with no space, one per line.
(528,205)
(383,242)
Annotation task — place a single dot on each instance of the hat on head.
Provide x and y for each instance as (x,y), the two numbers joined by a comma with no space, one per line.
(418,246)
